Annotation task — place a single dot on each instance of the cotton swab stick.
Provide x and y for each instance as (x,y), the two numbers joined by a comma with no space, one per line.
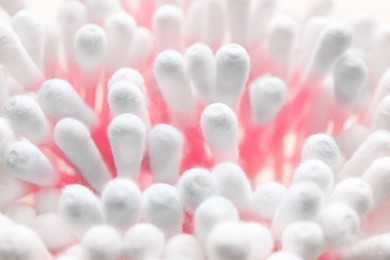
(58,99)
(102,243)
(73,138)
(80,208)
(238,19)
(162,207)
(25,161)
(127,135)
(16,60)
(121,202)
(143,241)
(166,148)
(220,130)
(196,185)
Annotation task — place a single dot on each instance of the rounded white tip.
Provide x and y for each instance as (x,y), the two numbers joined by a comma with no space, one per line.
(166,148)
(162,207)
(259,235)
(121,202)
(143,241)
(80,208)
(27,118)
(25,161)
(210,213)
(74,139)
(90,44)
(340,224)
(267,198)
(267,96)
(127,135)
(184,246)
(130,75)
(195,186)
(233,64)
(315,171)
(233,184)
(350,79)
(303,201)
(220,130)
(324,148)
(381,116)
(102,243)
(284,256)
(59,99)
(228,241)
(355,193)
(304,238)
(378,176)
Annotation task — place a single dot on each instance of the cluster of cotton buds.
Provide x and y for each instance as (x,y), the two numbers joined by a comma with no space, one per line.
(193,129)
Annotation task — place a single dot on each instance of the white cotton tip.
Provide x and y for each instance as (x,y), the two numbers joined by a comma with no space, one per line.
(381,115)
(90,45)
(15,59)
(304,238)
(47,200)
(372,148)
(267,198)
(75,141)
(130,75)
(284,256)
(340,224)
(303,201)
(233,64)
(378,177)
(72,15)
(183,246)
(364,26)
(214,25)
(376,247)
(99,11)
(324,148)
(228,241)
(261,13)
(220,130)
(238,13)
(319,8)
(25,161)
(127,135)
(192,26)
(333,42)
(171,76)
(80,208)
(350,79)
(143,241)
(233,185)
(31,32)
(51,46)
(383,88)
(141,47)
(59,99)
(210,213)
(5,221)
(27,118)
(281,42)
(317,172)
(21,243)
(166,149)
(13,6)
(261,240)
(380,55)
(102,242)
(196,185)
(126,97)
(168,25)
(201,67)
(350,139)
(162,207)
(120,32)
(121,202)
(21,213)
(12,189)
(53,231)
(355,193)
(267,95)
